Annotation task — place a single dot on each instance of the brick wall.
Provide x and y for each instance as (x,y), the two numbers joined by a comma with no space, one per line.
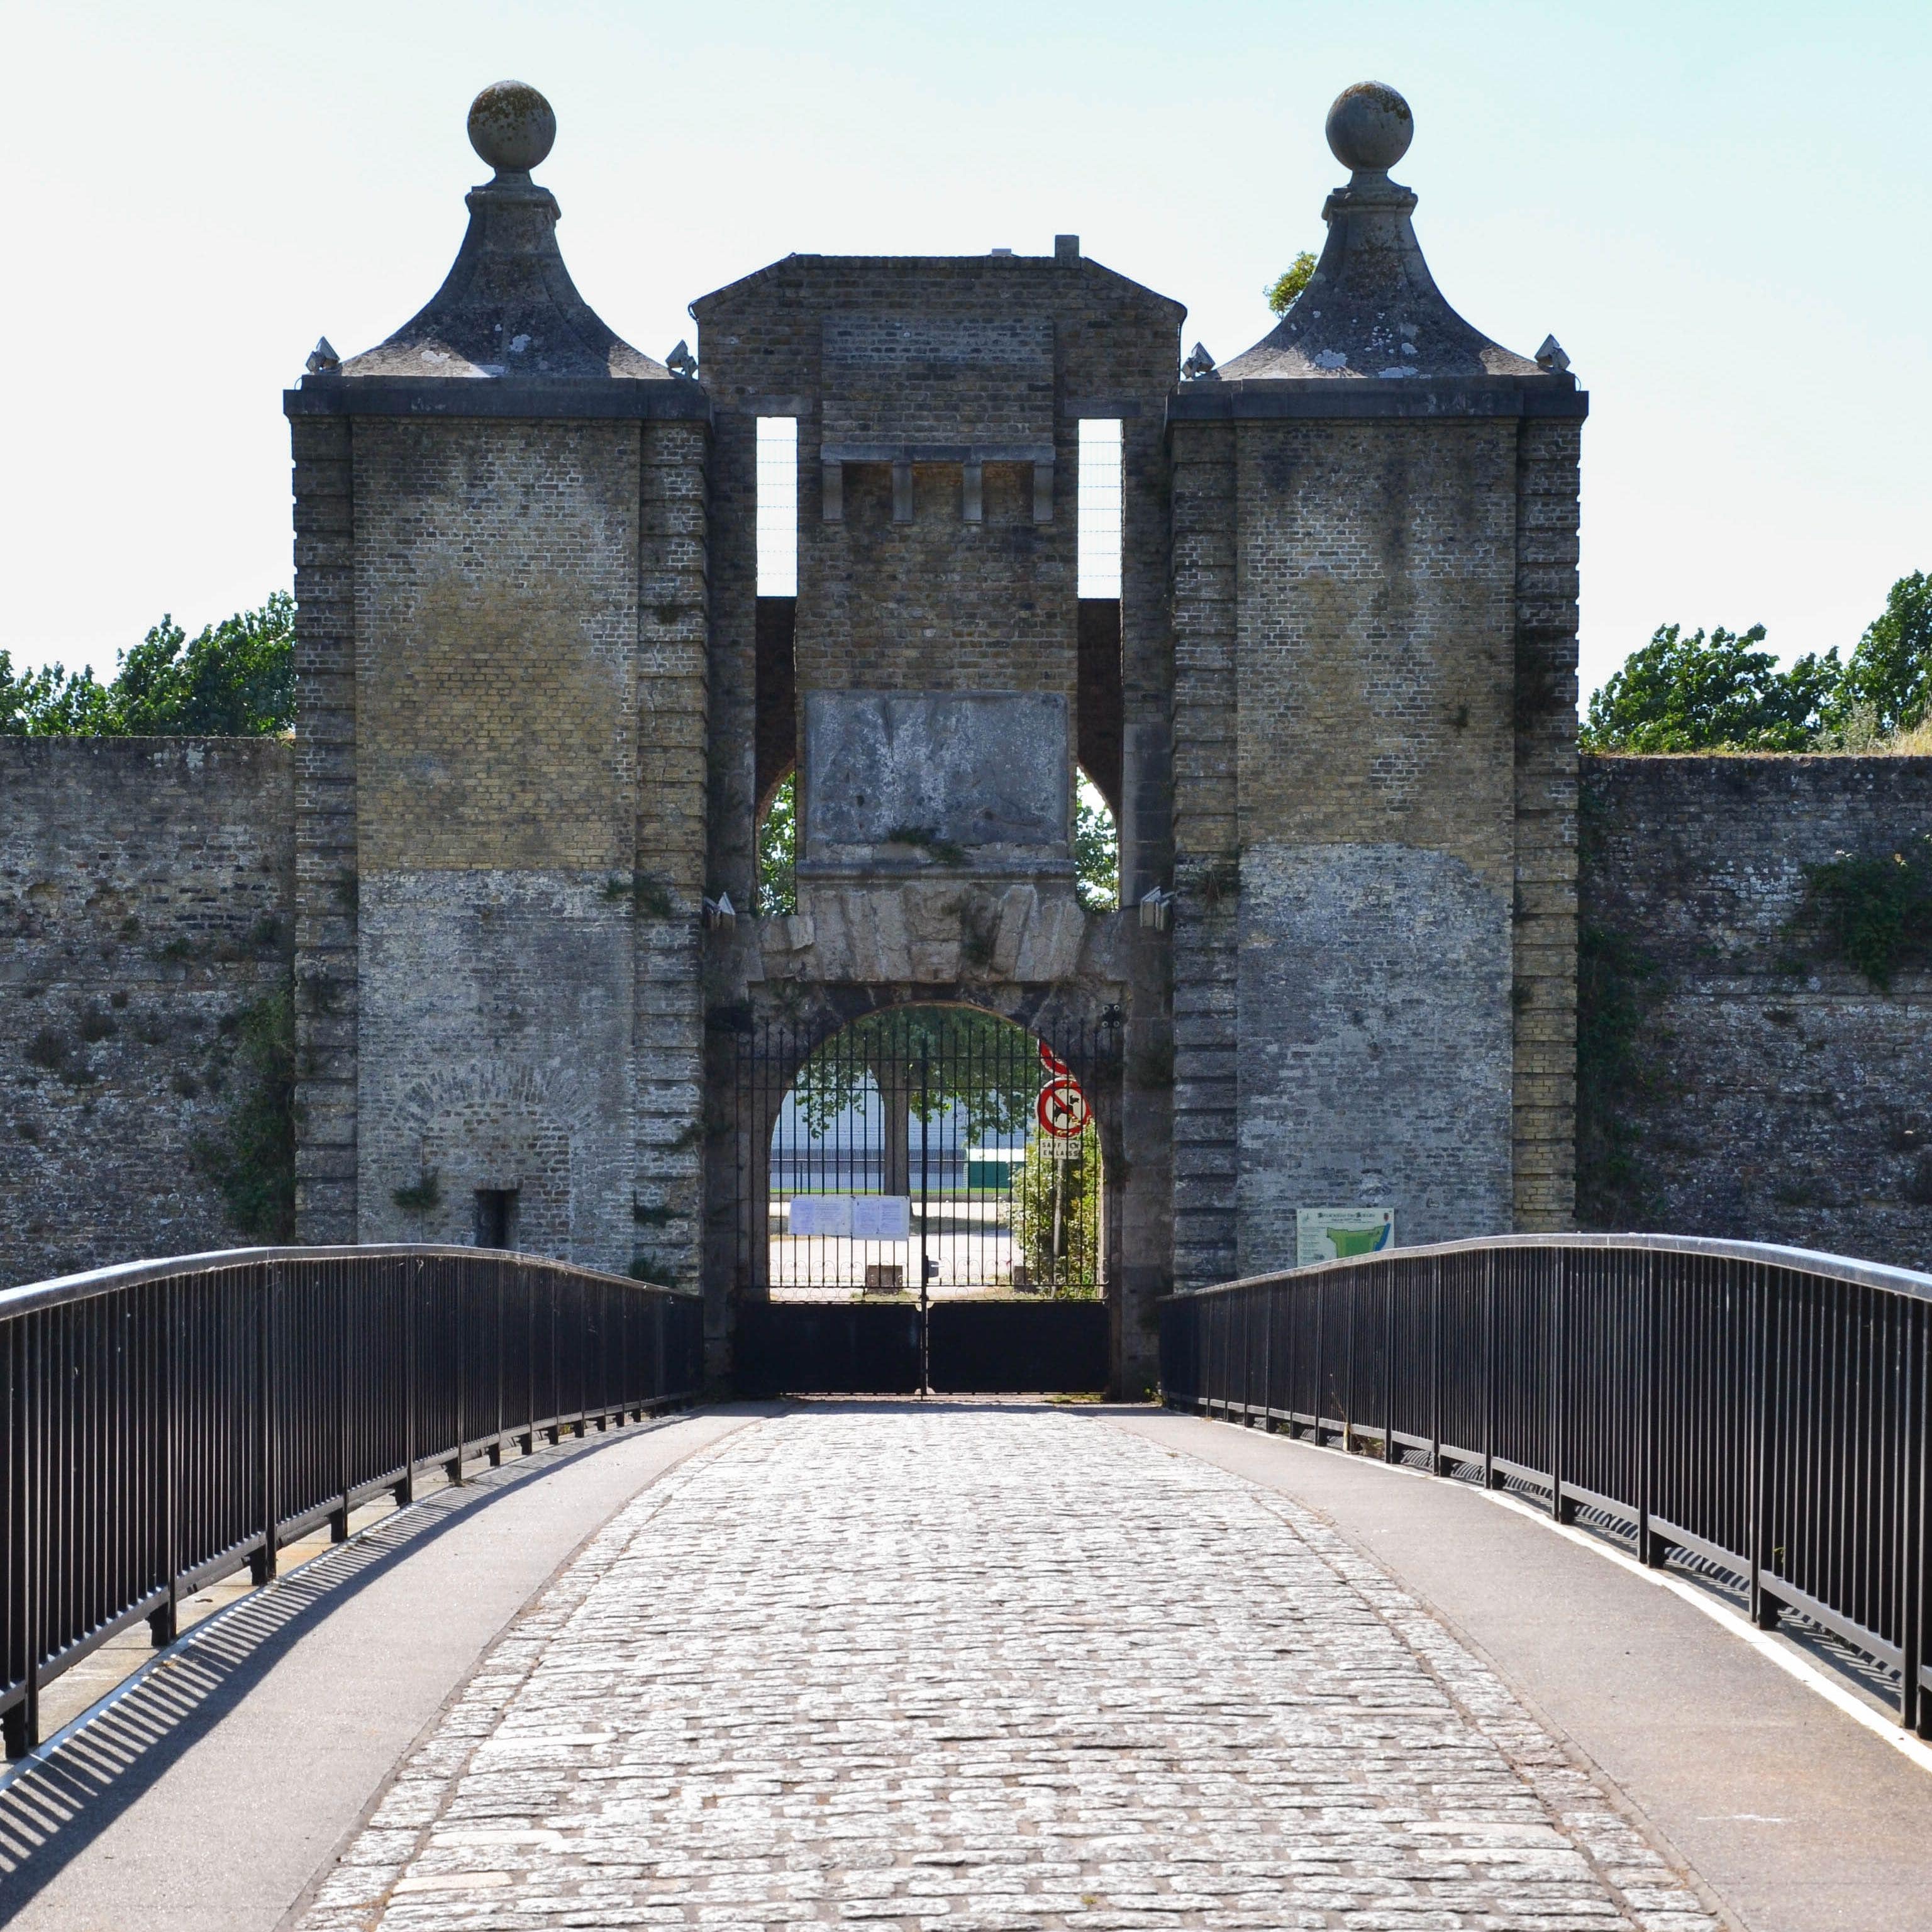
(1768,1091)
(146,893)
(1376,579)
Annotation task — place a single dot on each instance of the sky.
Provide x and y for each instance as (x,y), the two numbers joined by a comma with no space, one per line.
(1719,210)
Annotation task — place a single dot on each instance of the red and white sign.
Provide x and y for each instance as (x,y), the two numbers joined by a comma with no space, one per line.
(1052,1061)
(1064,1111)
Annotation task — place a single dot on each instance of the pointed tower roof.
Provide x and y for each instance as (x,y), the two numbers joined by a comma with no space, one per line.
(1372,309)
(508,309)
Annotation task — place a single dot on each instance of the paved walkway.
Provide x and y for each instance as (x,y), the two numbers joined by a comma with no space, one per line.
(986,1667)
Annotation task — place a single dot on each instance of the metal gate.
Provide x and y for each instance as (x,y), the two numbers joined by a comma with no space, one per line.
(921,1204)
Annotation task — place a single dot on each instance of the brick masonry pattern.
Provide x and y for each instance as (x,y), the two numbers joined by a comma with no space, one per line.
(988,1668)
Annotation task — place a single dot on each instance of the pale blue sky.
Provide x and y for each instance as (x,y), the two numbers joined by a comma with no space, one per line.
(1720,210)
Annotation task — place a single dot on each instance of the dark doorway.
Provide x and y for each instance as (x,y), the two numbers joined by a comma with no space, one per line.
(496,1217)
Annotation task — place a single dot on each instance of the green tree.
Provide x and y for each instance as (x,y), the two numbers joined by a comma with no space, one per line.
(1694,693)
(53,703)
(778,851)
(1056,1215)
(1281,291)
(1096,850)
(1889,676)
(235,679)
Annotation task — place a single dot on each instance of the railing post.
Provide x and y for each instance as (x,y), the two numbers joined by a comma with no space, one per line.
(1267,1295)
(22,1721)
(459,1298)
(1390,1269)
(164,1625)
(1435,1367)
(1318,1288)
(1351,1408)
(262,1564)
(1559,1341)
(1489,1369)
(497,1447)
(1649,1545)
(406,1490)
(1764,1607)
(1912,1702)
(348,1279)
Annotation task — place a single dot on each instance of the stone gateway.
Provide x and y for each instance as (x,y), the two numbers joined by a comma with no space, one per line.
(541,708)
(545,700)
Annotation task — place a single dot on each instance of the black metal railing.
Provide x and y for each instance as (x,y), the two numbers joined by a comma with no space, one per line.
(169,1423)
(1762,1409)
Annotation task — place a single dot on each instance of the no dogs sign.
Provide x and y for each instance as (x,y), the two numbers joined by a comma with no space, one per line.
(1063,1109)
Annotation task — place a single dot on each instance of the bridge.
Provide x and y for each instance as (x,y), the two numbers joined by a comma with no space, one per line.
(1553,1582)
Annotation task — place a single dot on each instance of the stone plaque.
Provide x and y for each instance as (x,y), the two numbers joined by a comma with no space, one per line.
(977,768)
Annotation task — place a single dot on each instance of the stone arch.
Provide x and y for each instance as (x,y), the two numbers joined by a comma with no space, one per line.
(770,1040)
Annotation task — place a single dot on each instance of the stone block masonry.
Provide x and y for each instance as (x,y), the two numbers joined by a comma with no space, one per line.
(146,890)
(1741,1078)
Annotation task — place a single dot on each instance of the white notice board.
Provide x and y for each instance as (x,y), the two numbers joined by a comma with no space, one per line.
(853,1217)
(1331,1234)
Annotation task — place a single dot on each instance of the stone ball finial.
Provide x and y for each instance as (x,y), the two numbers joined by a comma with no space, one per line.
(1369,127)
(512,127)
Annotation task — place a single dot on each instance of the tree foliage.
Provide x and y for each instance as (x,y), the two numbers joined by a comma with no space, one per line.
(778,852)
(1281,291)
(1096,851)
(987,1066)
(1724,692)
(1056,1215)
(1694,693)
(1890,673)
(235,679)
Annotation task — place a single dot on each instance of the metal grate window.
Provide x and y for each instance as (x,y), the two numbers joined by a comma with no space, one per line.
(778,506)
(1100,508)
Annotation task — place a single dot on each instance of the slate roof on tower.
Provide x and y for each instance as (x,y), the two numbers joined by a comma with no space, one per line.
(508,308)
(1372,309)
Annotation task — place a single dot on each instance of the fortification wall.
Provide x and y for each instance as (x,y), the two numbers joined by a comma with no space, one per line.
(1736,1077)
(146,890)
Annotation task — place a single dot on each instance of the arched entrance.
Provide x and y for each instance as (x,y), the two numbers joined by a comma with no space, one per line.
(923,1203)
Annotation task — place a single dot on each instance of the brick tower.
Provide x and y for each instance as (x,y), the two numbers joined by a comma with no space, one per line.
(500,569)
(1375,530)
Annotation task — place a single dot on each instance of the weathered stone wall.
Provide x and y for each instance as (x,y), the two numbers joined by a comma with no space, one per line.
(1741,1080)
(146,894)
(528,719)
(1375,569)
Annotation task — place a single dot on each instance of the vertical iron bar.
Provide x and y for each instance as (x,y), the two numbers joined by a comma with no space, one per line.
(1559,1311)
(1649,1545)
(165,1623)
(1390,1270)
(1913,1432)
(406,1490)
(1435,1367)
(925,1298)
(22,1721)
(1489,1369)
(262,1566)
(1764,1609)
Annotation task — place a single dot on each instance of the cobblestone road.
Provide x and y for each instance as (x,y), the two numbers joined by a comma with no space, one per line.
(986,1668)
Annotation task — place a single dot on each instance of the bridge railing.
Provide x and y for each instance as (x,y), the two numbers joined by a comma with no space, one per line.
(168,1422)
(1762,1408)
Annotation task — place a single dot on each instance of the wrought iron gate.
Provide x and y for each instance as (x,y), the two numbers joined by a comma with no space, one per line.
(921,1204)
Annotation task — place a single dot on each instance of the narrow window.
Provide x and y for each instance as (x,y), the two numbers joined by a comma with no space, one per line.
(778,506)
(1100,508)
(496,1217)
